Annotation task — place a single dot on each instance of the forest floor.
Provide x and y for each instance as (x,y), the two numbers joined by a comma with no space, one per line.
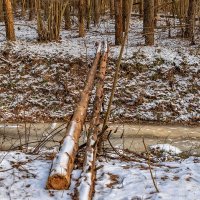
(24,176)
(43,81)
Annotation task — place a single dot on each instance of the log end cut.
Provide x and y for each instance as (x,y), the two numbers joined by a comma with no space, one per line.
(58,182)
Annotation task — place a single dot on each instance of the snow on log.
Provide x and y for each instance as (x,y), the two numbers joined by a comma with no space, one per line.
(63,163)
(86,187)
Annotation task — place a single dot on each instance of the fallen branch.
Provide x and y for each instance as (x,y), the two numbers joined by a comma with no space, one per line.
(63,164)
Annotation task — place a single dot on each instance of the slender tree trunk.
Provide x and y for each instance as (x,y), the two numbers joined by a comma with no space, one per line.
(81,18)
(125,13)
(23,11)
(31,10)
(96,12)
(103,7)
(1,11)
(149,22)
(88,12)
(190,20)
(14,5)
(141,8)
(156,4)
(9,21)
(118,22)
(67,16)
(112,8)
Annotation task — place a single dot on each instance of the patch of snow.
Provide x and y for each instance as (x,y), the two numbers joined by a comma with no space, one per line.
(24,176)
(167,148)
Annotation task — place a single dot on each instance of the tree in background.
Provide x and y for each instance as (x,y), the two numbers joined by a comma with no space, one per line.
(81,18)
(126,5)
(118,22)
(190,21)
(96,12)
(31,10)
(1,11)
(9,21)
(67,16)
(156,5)
(148,22)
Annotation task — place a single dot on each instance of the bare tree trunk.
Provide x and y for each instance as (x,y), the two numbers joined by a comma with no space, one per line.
(81,18)
(125,13)
(87,180)
(118,22)
(88,7)
(9,21)
(31,10)
(141,8)
(1,11)
(190,20)
(63,164)
(156,5)
(112,8)
(14,5)
(103,7)
(23,11)
(96,12)
(148,22)
(67,16)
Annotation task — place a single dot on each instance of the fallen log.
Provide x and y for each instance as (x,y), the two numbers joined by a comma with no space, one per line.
(63,163)
(87,180)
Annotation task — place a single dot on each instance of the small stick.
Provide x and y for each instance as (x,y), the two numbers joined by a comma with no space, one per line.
(149,163)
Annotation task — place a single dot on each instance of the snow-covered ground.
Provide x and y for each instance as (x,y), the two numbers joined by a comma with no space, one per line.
(159,83)
(23,176)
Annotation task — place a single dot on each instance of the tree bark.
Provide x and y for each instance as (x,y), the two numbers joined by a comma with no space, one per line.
(141,8)
(63,163)
(190,20)
(31,10)
(87,180)
(67,16)
(88,8)
(9,21)
(148,22)
(112,8)
(125,13)
(81,18)
(156,5)
(1,11)
(96,12)
(118,22)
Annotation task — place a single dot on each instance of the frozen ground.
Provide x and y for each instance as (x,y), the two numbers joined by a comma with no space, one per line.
(23,176)
(159,83)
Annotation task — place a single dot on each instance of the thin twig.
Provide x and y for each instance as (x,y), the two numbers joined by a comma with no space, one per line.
(149,164)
